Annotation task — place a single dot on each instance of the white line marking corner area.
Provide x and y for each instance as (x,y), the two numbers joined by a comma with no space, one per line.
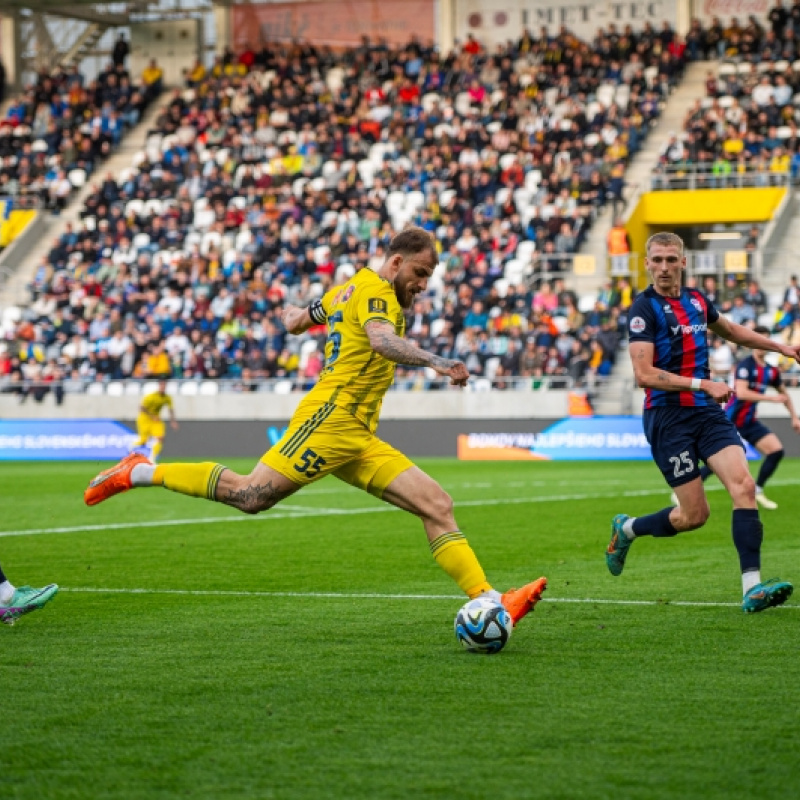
(286,511)
(387,596)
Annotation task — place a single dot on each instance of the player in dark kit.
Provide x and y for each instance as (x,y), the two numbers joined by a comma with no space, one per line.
(753,377)
(683,420)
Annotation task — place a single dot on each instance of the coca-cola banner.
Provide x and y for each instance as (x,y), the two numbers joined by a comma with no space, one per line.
(706,10)
(337,24)
(495,21)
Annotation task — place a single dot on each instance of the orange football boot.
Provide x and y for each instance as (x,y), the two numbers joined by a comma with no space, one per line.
(114,480)
(518,602)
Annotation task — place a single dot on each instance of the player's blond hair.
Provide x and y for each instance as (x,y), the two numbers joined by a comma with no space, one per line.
(665,238)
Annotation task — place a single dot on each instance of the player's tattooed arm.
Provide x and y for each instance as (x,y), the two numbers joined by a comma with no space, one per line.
(385,341)
(298,320)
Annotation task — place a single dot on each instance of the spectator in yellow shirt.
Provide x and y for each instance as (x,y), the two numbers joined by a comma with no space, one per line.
(196,74)
(153,78)
(157,363)
(779,163)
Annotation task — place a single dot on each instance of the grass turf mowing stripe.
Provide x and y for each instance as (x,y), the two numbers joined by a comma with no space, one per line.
(386,596)
(294,512)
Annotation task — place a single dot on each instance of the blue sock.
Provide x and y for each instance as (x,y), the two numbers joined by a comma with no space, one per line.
(657,524)
(705,472)
(748,533)
(769,466)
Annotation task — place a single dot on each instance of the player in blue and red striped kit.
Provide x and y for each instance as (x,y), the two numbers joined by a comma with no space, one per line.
(683,419)
(753,377)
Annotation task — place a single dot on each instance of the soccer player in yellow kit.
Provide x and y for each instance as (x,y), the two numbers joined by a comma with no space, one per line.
(149,424)
(332,431)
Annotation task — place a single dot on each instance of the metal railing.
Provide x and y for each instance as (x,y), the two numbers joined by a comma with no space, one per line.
(745,264)
(192,387)
(701,176)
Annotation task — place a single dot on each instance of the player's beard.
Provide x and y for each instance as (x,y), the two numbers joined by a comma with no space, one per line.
(404,296)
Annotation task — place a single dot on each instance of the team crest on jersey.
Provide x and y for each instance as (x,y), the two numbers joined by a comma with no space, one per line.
(743,373)
(377,306)
(637,325)
(697,304)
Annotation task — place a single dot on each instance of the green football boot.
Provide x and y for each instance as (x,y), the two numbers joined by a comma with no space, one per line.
(766,594)
(618,547)
(25,600)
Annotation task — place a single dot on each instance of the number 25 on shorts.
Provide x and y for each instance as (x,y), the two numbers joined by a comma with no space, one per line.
(310,463)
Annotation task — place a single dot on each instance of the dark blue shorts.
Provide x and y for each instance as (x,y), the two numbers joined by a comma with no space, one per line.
(753,432)
(681,437)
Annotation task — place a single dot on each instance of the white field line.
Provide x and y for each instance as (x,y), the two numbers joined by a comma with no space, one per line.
(313,490)
(380,596)
(295,512)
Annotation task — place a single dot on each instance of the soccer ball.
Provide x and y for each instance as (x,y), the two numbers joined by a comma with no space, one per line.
(483,626)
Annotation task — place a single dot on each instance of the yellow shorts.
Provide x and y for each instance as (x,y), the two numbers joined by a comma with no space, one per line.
(149,428)
(328,440)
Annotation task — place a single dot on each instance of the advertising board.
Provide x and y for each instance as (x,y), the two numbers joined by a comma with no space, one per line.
(80,439)
(571,439)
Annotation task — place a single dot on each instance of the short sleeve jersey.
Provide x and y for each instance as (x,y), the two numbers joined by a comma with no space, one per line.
(354,376)
(153,403)
(677,328)
(758,378)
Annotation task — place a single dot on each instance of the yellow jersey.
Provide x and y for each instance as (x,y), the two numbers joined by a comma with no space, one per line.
(354,376)
(153,403)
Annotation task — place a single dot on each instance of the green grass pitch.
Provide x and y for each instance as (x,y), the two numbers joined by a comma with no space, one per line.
(309,652)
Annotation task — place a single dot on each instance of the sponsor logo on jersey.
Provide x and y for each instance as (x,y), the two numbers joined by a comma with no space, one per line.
(637,325)
(376,305)
(700,327)
(668,309)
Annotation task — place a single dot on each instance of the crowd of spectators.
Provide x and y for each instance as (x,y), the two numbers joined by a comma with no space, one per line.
(745,131)
(273,174)
(59,129)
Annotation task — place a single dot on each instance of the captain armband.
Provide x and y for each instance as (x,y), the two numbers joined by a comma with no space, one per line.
(317,312)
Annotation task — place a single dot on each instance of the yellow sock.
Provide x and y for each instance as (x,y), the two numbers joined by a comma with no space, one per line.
(156,449)
(196,480)
(454,555)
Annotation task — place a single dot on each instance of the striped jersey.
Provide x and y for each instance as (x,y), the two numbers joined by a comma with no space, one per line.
(759,378)
(677,328)
(354,376)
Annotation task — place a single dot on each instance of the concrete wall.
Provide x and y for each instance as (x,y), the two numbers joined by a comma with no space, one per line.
(455,404)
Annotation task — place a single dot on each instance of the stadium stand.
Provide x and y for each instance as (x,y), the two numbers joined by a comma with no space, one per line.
(744,133)
(270,177)
(57,132)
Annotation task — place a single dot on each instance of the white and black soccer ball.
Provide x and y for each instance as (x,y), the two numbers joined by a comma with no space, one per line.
(483,626)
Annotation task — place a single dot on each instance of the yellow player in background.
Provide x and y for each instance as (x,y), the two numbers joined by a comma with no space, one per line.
(149,425)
